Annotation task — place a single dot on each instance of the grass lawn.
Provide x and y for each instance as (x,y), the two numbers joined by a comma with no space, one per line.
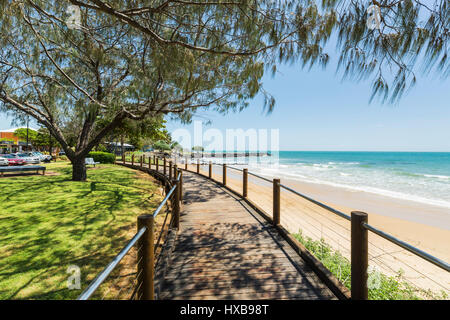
(49,223)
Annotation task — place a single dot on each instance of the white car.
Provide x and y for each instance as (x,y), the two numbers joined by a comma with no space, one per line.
(42,157)
(4,162)
(29,159)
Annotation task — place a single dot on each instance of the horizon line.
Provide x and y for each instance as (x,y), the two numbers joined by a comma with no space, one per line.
(291,150)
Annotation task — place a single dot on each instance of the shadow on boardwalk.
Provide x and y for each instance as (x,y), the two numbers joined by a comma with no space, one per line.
(225,250)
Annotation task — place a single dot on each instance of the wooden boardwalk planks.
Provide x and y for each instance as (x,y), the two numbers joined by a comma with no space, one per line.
(225,250)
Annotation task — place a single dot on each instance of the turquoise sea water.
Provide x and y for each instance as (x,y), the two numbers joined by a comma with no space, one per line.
(416,176)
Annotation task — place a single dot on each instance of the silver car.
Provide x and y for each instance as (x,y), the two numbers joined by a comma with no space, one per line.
(4,162)
(29,159)
(42,157)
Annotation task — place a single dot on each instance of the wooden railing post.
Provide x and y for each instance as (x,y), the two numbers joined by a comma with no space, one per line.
(146,258)
(210,170)
(245,183)
(142,161)
(176,204)
(132,159)
(170,170)
(181,183)
(186,164)
(359,256)
(167,187)
(276,201)
(198,165)
(224,174)
(157,164)
(165,164)
(154,159)
(123,158)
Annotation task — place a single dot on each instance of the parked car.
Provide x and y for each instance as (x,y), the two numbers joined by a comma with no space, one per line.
(13,160)
(29,158)
(4,162)
(42,157)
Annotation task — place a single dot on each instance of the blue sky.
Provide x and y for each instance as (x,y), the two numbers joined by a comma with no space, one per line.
(315,110)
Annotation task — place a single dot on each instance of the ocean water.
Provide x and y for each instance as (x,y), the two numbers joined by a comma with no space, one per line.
(416,176)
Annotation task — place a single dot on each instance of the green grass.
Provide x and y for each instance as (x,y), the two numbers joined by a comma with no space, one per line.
(383,287)
(49,222)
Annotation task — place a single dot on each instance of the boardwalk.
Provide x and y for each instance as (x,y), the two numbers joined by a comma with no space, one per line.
(225,250)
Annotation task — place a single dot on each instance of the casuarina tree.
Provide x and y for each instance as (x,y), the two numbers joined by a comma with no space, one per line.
(94,64)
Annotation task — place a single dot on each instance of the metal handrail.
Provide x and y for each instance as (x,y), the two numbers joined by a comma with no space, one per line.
(436,261)
(167,197)
(93,286)
(161,205)
(237,169)
(339,213)
(255,175)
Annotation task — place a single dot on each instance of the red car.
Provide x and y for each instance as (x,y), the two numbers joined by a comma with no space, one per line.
(13,160)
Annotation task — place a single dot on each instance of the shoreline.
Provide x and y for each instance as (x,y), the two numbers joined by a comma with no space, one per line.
(360,200)
(424,226)
(395,195)
(395,178)
(373,203)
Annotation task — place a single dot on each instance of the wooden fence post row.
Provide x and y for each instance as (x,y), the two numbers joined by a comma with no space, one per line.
(359,256)
(146,258)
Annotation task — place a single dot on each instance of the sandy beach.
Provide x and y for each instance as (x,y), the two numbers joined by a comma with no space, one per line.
(424,226)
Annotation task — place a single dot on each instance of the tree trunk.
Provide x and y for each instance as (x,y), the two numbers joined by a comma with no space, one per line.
(78,169)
